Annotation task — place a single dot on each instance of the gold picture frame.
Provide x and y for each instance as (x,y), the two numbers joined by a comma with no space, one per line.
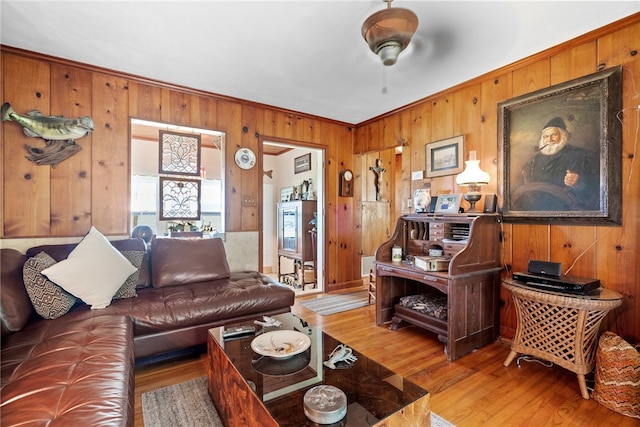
(574,177)
(445,157)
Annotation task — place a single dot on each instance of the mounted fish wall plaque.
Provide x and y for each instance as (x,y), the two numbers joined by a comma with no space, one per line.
(58,133)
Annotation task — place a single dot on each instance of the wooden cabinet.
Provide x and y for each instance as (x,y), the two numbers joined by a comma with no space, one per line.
(471,283)
(295,240)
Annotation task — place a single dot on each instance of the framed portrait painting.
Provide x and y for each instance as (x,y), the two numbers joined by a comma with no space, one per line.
(560,153)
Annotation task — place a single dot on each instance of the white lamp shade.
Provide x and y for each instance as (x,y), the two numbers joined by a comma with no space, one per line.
(472,174)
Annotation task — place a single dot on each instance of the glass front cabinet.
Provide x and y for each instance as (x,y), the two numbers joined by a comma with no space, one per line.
(294,234)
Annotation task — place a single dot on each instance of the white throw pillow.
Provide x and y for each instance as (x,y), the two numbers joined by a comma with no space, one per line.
(93,271)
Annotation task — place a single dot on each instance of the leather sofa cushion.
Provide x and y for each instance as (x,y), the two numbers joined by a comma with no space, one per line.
(178,262)
(174,307)
(76,372)
(15,306)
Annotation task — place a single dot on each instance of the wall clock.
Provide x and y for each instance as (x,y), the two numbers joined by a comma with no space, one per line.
(346,183)
(245,158)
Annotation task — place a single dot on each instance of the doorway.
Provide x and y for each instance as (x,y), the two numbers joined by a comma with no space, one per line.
(293,172)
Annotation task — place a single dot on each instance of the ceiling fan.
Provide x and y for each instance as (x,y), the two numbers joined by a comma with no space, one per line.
(389,31)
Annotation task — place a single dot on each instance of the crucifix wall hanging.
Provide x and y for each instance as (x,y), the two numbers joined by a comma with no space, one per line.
(377,171)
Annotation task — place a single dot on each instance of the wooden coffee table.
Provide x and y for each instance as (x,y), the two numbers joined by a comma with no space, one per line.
(250,390)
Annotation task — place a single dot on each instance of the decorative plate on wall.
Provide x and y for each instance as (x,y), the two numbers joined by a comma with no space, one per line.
(245,158)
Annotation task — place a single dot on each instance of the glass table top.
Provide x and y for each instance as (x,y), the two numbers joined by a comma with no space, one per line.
(373,391)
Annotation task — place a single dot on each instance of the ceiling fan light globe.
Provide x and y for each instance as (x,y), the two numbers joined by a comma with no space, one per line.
(389,31)
(388,52)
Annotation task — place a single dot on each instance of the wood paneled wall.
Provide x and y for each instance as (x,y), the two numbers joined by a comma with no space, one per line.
(608,253)
(92,187)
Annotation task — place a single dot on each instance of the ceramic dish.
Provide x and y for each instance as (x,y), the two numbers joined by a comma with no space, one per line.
(245,158)
(280,344)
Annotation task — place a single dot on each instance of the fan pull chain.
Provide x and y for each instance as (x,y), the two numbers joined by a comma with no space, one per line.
(384,80)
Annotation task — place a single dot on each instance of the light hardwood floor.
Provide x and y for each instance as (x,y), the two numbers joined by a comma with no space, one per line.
(475,390)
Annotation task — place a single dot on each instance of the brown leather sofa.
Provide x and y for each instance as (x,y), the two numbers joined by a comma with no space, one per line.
(78,369)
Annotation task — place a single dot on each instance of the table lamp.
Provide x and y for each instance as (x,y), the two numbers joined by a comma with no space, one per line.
(473,177)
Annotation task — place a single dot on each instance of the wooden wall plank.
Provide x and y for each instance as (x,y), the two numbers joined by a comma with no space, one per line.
(467,123)
(401,179)
(402,172)
(372,137)
(179,108)
(310,130)
(26,204)
(110,192)
(419,135)
(71,179)
(204,112)
(333,165)
(347,245)
(359,141)
(618,247)
(145,101)
(442,117)
(531,78)
(391,132)
(252,178)
(230,121)
(493,91)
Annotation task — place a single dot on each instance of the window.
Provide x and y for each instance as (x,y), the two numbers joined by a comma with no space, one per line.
(145,178)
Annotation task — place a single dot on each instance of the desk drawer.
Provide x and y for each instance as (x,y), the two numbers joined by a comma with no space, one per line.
(450,249)
(440,283)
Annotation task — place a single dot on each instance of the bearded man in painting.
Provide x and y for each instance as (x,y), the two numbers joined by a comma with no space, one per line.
(560,176)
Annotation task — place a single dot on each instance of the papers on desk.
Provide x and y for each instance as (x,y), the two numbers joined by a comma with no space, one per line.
(461,241)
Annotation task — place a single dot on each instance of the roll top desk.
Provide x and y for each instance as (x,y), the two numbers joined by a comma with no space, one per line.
(471,282)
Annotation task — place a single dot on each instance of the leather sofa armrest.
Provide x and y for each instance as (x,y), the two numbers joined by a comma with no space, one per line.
(16,308)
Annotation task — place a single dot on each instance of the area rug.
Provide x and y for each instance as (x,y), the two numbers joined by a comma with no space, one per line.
(331,304)
(188,404)
(184,404)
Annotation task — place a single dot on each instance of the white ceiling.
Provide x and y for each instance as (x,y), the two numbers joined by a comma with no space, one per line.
(306,56)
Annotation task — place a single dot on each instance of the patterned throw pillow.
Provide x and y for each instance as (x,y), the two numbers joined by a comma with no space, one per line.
(128,289)
(49,300)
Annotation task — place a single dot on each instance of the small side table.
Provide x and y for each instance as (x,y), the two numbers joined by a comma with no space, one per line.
(560,328)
